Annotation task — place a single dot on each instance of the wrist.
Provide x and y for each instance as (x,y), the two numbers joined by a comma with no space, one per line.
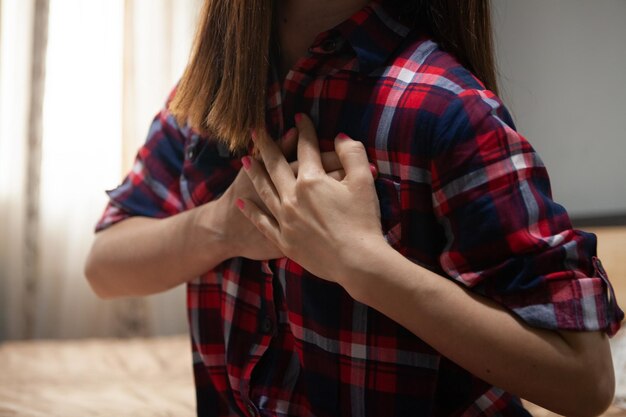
(381,273)
(209,226)
(366,263)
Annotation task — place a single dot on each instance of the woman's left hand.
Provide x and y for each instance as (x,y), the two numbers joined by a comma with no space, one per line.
(319,222)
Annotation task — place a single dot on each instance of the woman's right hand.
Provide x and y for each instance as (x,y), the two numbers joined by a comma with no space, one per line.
(142,255)
(239,235)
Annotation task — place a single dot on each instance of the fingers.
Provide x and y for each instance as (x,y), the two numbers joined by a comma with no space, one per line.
(330,162)
(288,144)
(266,224)
(353,157)
(338,175)
(275,163)
(262,183)
(308,147)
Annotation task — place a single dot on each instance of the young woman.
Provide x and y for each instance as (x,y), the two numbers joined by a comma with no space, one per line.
(448,285)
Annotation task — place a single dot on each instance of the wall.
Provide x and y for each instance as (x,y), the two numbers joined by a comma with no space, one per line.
(563,75)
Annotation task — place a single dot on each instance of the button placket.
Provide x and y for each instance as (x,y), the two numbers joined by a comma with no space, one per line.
(252,411)
(192,149)
(191,152)
(265,329)
(266,319)
(266,326)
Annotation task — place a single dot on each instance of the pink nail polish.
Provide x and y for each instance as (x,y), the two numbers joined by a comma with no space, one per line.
(240,204)
(246,162)
(298,117)
(343,136)
(374,170)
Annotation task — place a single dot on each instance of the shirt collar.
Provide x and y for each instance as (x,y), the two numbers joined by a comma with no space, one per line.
(373,33)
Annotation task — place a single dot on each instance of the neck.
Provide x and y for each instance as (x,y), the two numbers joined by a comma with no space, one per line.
(300,21)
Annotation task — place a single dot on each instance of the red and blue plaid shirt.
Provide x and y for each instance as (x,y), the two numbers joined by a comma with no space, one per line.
(461,193)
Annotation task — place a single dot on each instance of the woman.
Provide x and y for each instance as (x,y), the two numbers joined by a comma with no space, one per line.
(447,286)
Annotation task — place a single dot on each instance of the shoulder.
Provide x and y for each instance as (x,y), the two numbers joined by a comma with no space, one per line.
(425,84)
(420,61)
(167,138)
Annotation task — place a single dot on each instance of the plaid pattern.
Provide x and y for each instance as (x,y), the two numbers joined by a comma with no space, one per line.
(461,193)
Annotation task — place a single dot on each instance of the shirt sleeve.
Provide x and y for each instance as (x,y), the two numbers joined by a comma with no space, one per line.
(505,236)
(152,187)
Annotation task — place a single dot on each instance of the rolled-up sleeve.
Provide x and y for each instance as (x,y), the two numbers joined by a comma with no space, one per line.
(152,187)
(505,236)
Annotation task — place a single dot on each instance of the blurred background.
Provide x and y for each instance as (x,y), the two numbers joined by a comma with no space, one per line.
(80,81)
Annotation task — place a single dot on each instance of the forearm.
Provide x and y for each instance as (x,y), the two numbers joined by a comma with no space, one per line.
(483,337)
(142,256)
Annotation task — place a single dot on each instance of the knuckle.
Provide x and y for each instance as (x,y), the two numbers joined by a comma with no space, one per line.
(265,194)
(290,207)
(260,225)
(307,179)
(356,146)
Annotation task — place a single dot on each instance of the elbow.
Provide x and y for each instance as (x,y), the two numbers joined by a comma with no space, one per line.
(93,274)
(599,396)
(585,387)
(594,395)
(591,406)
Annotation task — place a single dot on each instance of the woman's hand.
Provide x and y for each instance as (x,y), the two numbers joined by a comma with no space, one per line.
(319,221)
(332,229)
(239,234)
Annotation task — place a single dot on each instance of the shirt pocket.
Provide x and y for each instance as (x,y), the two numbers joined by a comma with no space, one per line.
(208,170)
(388,192)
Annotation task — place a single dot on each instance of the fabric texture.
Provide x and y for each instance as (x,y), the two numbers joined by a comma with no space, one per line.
(126,378)
(461,194)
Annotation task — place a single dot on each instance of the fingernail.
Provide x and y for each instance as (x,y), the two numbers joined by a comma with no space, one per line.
(240,203)
(246,162)
(343,136)
(374,170)
(298,117)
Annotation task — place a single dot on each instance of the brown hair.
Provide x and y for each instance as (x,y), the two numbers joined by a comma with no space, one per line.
(462,28)
(223,89)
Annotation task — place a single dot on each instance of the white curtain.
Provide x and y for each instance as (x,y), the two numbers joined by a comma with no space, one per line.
(109,66)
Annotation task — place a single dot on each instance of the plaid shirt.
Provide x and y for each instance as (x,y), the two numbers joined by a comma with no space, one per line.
(461,193)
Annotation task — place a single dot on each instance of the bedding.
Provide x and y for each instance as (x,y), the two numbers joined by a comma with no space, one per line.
(153,377)
(130,377)
(102,377)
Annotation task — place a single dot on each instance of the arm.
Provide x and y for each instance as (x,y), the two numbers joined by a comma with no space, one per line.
(331,228)
(570,373)
(155,247)
(142,255)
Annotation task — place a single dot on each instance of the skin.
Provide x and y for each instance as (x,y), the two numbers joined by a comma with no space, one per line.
(332,228)
(142,256)
(300,21)
(310,217)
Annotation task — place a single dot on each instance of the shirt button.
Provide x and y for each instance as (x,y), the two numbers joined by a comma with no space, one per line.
(329,45)
(191,153)
(266,325)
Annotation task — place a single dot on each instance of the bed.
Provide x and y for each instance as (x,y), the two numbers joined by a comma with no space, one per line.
(98,377)
(132,377)
(152,377)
